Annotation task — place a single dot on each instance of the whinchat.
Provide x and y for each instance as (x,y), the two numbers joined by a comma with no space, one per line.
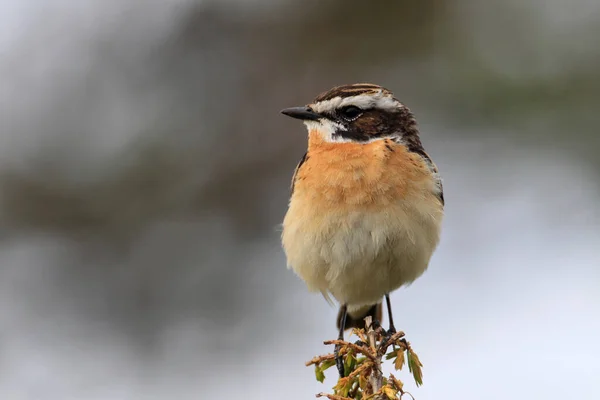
(367,202)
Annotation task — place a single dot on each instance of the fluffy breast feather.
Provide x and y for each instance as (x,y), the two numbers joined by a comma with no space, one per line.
(363,219)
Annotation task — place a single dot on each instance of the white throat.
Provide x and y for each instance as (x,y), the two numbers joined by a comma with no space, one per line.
(327,129)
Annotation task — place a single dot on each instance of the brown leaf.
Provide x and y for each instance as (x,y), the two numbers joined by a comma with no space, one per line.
(390,392)
(398,385)
(399,363)
(363,382)
(343,387)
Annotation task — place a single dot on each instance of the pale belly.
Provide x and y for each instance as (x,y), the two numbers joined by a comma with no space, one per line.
(356,256)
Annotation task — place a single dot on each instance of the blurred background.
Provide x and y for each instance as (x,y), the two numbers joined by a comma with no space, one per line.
(145,168)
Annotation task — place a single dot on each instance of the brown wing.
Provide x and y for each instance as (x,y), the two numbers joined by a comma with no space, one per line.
(438,181)
(415,146)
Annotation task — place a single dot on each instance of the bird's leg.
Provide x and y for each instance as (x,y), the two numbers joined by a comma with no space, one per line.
(388,334)
(338,359)
(392,329)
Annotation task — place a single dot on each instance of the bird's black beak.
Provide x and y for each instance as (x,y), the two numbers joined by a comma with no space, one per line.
(303,113)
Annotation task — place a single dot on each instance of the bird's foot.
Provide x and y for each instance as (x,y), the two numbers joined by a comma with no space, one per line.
(375,324)
(390,332)
(387,335)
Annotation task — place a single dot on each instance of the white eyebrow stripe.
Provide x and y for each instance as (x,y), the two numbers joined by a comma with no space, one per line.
(364,101)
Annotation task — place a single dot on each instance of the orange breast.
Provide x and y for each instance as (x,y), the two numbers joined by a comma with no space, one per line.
(364,176)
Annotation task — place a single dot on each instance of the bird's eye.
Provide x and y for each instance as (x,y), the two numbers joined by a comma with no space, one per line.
(350,112)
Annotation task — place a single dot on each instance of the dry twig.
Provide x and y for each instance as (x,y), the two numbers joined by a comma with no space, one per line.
(362,365)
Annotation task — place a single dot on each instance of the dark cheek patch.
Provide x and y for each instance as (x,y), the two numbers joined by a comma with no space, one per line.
(369,124)
(372,124)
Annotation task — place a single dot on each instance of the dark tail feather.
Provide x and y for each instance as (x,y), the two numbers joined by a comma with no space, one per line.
(357,318)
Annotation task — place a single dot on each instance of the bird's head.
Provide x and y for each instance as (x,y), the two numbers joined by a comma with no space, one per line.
(358,113)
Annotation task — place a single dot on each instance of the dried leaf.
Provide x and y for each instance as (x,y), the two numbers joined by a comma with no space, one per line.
(397,383)
(343,387)
(399,363)
(390,392)
(340,384)
(363,382)
(346,389)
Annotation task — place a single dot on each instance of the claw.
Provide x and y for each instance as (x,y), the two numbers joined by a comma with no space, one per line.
(375,324)
(387,335)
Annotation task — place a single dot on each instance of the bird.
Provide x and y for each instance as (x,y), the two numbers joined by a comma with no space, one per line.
(366,206)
